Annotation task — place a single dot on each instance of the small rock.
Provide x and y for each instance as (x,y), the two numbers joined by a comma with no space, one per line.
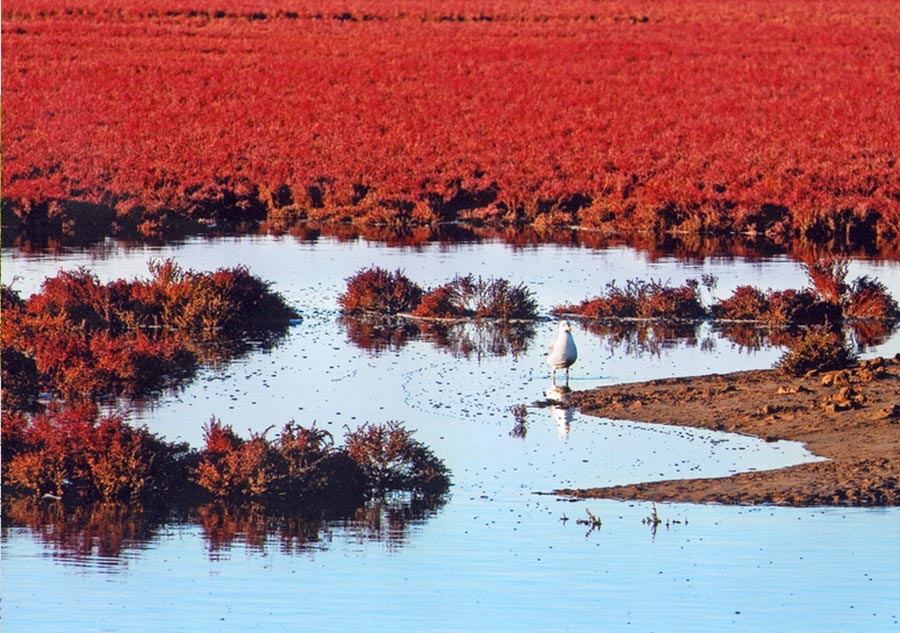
(846,393)
(841,378)
(890,412)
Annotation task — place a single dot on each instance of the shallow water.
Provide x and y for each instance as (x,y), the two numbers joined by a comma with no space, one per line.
(496,556)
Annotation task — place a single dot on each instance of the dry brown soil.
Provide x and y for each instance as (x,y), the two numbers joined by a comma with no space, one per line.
(851,417)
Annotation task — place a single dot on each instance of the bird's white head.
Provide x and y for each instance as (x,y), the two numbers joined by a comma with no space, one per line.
(565,326)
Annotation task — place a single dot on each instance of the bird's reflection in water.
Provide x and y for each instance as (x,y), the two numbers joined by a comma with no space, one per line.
(562,415)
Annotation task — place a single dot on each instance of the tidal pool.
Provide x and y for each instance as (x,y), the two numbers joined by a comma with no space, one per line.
(495,556)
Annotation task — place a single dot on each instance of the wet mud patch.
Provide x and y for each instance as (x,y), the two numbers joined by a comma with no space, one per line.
(852,424)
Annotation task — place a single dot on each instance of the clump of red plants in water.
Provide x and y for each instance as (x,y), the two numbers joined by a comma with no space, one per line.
(78,338)
(641,300)
(865,303)
(376,291)
(777,308)
(809,322)
(829,300)
(390,459)
(818,348)
(76,453)
(477,298)
(685,116)
(81,456)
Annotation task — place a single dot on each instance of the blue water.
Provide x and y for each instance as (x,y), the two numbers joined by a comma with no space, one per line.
(496,556)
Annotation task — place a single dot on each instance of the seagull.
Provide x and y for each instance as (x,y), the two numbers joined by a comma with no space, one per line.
(562,352)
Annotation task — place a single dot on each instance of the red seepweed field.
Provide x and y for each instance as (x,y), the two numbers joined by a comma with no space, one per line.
(777,118)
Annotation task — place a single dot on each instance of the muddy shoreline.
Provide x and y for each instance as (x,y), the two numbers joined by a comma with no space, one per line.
(849,417)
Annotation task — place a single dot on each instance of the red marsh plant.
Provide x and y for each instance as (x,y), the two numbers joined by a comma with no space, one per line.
(87,339)
(21,380)
(641,300)
(659,300)
(868,300)
(74,452)
(443,302)
(303,465)
(378,291)
(828,277)
(468,297)
(78,455)
(235,468)
(788,308)
(777,308)
(392,460)
(745,304)
(818,348)
(615,302)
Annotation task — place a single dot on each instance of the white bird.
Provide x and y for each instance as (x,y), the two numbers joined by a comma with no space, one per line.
(562,352)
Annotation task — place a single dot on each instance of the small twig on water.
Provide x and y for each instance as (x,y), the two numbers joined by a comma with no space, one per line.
(593,522)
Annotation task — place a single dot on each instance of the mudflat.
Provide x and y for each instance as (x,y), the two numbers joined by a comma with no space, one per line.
(851,417)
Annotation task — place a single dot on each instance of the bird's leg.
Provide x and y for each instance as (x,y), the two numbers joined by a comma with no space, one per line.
(567,376)
(553,376)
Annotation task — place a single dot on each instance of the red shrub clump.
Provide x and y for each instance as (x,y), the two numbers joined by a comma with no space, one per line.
(868,299)
(800,307)
(640,300)
(76,453)
(778,308)
(83,339)
(300,465)
(303,465)
(468,297)
(745,304)
(392,460)
(816,349)
(375,290)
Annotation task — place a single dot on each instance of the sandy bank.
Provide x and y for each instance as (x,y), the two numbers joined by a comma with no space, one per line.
(851,417)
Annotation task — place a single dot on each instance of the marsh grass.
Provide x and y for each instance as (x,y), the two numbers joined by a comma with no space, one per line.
(76,454)
(640,299)
(818,348)
(78,338)
(377,291)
